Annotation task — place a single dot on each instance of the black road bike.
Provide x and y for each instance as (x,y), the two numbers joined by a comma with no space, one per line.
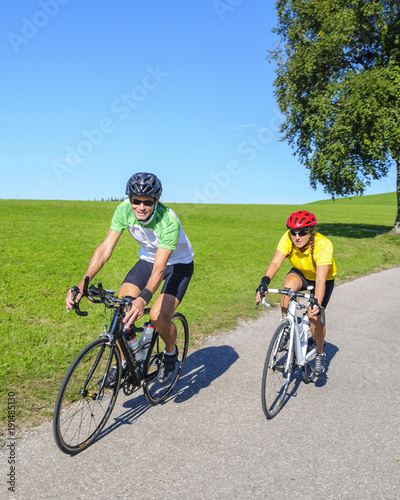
(84,403)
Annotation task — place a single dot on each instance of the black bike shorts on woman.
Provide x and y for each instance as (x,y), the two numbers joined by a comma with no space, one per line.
(305,283)
(176,277)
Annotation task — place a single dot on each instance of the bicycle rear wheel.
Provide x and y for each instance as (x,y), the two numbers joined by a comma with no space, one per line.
(153,391)
(83,406)
(275,381)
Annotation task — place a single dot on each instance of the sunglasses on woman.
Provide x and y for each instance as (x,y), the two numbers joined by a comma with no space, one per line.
(300,233)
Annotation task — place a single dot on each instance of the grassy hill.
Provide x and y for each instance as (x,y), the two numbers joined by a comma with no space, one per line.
(46,245)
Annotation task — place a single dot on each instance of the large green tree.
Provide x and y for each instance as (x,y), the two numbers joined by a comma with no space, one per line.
(338,86)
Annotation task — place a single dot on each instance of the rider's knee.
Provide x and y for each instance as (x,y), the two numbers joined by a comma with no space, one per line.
(160,316)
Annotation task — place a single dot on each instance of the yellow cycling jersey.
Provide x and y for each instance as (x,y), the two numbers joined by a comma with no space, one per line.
(323,256)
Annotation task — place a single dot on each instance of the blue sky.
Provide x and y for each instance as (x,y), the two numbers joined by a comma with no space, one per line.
(94,91)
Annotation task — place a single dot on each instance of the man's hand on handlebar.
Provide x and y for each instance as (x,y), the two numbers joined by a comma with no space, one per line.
(135,311)
(75,294)
(73,297)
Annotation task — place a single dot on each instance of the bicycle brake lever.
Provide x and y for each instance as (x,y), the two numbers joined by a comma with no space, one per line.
(265,304)
(75,293)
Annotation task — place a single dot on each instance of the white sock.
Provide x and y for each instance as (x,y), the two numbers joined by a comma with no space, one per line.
(170,353)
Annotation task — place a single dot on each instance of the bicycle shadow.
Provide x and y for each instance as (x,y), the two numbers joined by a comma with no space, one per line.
(201,368)
(331,350)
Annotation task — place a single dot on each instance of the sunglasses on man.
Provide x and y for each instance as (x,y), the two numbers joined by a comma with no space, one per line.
(146,203)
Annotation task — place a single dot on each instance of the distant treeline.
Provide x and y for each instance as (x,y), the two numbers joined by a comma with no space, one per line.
(111,199)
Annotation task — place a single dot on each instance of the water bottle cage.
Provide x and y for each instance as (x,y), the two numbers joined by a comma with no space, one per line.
(130,352)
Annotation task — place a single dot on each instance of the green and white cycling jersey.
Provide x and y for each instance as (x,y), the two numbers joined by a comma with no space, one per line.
(163,230)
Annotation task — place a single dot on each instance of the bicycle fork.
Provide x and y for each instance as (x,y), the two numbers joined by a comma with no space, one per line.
(288,368)
(98,395)
(290,357)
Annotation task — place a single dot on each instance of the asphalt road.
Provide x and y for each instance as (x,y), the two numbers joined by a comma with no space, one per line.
(337,438)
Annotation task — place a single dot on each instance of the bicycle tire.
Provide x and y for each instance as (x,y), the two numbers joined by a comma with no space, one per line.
(80,412)
(308,368)
(154,392)
(275,381)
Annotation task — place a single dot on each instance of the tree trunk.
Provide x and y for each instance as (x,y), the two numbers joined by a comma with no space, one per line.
(396,227)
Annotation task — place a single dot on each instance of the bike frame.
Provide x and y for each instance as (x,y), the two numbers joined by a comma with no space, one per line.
(115,334)
(77,429)
(300,351)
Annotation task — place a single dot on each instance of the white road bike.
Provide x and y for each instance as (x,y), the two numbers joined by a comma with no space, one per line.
(284,357)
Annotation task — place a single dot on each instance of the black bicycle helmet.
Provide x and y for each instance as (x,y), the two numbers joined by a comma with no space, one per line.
(144,184)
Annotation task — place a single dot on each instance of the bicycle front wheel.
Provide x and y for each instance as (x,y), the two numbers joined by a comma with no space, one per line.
(154,392)
(275,380)
(83,403)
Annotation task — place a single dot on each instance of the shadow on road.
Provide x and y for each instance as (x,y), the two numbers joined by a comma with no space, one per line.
(201,368)
(297,377)
(331,350)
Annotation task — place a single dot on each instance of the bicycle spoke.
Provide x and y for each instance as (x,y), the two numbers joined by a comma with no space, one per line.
(276,380)
(81,409)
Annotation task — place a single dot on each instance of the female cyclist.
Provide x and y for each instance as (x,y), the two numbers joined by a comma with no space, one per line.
(311,255)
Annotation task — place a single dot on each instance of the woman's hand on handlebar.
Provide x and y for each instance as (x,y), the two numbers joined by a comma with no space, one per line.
(316,309)
(261,294)
(262,289)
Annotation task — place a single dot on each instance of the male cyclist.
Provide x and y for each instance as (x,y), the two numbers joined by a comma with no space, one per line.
(311,255)
(165,254)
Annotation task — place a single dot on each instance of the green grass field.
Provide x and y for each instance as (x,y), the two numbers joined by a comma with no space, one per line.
(46,245)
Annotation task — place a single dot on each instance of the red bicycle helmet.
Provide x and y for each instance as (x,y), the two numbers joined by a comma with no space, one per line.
(301,220)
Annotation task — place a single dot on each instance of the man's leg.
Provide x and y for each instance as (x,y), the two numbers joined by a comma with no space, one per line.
(161,314)
(128,289)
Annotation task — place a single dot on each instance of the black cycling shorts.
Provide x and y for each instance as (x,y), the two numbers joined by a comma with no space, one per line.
(305,283)
(176,277)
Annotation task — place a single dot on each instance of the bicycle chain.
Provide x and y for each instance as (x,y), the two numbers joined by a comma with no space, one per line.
(129,385)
